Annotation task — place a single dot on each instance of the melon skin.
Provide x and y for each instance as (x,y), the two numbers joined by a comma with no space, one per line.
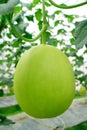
(44,83)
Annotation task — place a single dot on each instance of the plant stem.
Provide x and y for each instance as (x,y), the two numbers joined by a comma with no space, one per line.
(24,38)
(44,22)
(67,7)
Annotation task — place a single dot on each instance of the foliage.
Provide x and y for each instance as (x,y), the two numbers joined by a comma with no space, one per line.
(5,121)
(61,33)
(10,110)
(82,126)
(81,34)
(1,92)
(7,6)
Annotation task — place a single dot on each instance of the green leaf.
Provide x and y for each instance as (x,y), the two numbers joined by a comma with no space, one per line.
(72,32)
(17,9)
(8,7)
(70,18)
(40,24)
(79,60)
(38,14)
(35,2)
(4,120)
(58,12)
(52,41)
(61,31)
(28,35)
(56,23)
(19,19)
(15,43)
(9,35)
(72,40)
(78,72)
(81,34)
(47,4)
(2,45)
(30,18)
(48,35)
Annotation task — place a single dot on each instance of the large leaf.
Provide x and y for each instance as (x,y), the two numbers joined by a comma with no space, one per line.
(81,34)
(6,8)
(3,1)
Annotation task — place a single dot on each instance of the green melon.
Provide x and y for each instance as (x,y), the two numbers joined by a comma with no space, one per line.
(44,83)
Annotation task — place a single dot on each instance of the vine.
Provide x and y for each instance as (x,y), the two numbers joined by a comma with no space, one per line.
(44,27)
(42,32)
(24,38)
(44,23)
(63,6)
